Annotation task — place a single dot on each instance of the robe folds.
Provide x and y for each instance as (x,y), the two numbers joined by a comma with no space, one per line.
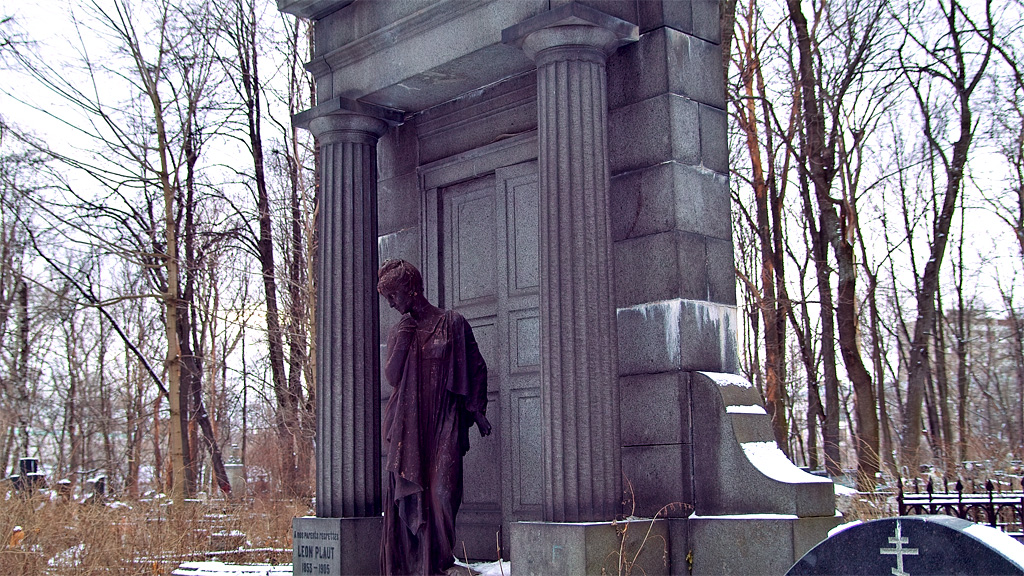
(438,380)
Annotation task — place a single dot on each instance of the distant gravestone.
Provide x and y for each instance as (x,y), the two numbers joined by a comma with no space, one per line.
(911,545)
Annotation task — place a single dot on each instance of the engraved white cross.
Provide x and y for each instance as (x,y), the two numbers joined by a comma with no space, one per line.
(899,551)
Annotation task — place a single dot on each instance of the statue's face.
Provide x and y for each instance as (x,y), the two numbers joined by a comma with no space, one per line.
(400,299)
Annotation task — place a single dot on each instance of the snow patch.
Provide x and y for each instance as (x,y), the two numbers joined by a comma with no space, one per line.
(772,462)
(752,409)
(490,568)
(222,569)
(69,558)
(723,379)
(843,490)
(745,517)
(842,527)
(999,541)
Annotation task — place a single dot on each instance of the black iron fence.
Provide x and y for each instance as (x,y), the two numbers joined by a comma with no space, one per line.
(988,504)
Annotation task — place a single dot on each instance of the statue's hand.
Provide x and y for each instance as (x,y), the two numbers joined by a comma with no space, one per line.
(406,323)
(482,424)
(406,332)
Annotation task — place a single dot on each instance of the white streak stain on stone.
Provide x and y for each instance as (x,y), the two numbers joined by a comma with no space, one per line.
(384,245)
(666,311)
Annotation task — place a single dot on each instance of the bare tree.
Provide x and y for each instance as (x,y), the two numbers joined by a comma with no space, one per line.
(753,112)
(942,59)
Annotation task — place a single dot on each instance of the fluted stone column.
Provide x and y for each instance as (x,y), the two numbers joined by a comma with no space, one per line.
(348,445)
(579,375)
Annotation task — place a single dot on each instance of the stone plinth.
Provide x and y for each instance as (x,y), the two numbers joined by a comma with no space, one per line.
(335,546)
(747,543)
(590,548)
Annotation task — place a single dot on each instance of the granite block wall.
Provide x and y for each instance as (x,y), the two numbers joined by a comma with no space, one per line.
(675,281)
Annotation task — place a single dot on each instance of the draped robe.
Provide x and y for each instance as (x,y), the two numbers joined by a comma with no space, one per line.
(438,381)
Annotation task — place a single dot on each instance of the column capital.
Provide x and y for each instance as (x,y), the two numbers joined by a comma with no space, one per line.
(571,31)
(344,120)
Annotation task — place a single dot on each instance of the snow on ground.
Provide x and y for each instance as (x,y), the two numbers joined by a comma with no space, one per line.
(844,490)
(490,568)
(222,569)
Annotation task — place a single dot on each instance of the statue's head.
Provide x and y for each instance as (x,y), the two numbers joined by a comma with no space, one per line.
(398,275)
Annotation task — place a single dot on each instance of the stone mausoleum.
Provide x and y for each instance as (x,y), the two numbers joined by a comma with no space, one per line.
(558,172)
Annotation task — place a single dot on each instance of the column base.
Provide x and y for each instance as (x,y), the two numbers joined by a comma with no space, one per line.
(336,546)
(589,548)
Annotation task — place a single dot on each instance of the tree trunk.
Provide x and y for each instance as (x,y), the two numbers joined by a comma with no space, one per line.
(885,440)
(21,369)
(285,417)
(820,168)
(963,87)
(948,461)
(766,226)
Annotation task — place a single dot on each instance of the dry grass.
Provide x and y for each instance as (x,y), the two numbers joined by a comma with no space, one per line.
(867,506)
(141,538)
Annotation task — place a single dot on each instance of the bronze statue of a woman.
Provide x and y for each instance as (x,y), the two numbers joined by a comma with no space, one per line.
(439,390)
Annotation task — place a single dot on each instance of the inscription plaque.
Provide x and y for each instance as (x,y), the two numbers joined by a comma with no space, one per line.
(315,547)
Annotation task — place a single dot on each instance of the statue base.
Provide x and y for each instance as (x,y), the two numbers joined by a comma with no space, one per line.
(335,546)
(544,548)
(739,544)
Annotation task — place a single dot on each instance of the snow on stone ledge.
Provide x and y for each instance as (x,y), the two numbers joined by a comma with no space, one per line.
(723,379)
(762,516)
(842,527)
(1000,541)
(752,409)
(773,463)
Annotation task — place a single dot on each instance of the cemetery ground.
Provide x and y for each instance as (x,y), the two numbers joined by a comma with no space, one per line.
(44,534)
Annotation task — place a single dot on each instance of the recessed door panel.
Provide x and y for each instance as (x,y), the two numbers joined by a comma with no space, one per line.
(487,255)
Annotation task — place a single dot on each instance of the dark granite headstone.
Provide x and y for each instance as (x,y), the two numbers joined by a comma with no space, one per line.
(909,545)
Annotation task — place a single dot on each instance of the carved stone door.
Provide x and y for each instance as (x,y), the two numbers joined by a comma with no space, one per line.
(487,255)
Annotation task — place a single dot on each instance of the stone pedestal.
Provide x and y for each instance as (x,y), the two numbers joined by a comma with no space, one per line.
(335,546)
(590,548)
(236,477)
(579,371)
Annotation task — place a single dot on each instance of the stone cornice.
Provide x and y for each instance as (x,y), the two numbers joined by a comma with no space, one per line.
(390,35)
(572,15)
(339,105)
(312,9)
